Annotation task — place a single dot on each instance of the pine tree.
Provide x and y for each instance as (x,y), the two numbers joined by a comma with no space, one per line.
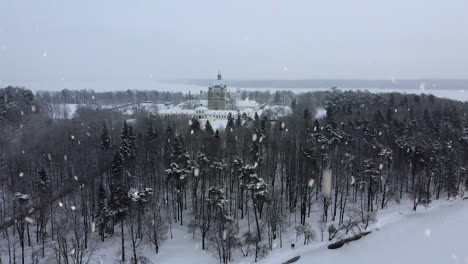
(238,121)
(45,193)
(178,171)
(169,133)
(195,125)
(151,133)
(105,139)
(230,122)
(128,142)
(131,138)
(294,104)
(124,147)
(257,187)
(102,213)
(43,183)
(119,201)
(209,128)
(256,117)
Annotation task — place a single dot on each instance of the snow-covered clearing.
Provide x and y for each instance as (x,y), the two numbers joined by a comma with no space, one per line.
(181,249)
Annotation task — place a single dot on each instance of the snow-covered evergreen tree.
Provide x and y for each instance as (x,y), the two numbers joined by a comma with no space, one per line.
(105,138)
(102,213)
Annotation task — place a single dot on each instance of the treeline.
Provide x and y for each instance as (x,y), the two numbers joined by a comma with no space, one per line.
(91,97)
(74,184)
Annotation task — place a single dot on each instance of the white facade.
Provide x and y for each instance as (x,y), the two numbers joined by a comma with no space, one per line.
(202,112)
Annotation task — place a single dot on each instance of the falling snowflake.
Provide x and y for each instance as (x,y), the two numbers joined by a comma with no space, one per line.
(196,171)
(21,174)
(33,108)
(60,204)
(422,86)
(311,182)
(427,232)
(29,220)
(73,208)
(254,137)
(44,54)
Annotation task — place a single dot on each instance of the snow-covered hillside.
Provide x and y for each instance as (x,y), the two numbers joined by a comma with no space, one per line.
(431,235)
(434,234)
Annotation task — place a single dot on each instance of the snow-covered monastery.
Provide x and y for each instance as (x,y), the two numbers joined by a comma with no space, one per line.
(216,107)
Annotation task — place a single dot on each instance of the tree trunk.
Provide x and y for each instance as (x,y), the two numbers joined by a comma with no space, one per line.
(123,239)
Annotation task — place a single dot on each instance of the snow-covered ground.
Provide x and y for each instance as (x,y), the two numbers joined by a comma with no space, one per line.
(181,249)
(437,234)
(432,235)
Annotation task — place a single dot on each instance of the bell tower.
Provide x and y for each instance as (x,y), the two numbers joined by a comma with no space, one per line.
(217,94)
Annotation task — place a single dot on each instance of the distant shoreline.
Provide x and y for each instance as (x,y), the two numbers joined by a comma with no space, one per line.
(339,83)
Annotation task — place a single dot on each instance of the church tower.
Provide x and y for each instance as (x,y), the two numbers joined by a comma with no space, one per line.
(217,94)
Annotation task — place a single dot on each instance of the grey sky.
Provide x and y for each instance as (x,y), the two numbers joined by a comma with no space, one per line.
(138,39)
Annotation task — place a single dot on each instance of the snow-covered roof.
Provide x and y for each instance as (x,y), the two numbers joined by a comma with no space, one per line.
(246,103)
(221,112)
(218,83)
(176,111)
(201,108)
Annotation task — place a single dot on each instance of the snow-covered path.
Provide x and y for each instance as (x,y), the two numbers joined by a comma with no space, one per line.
(437,236)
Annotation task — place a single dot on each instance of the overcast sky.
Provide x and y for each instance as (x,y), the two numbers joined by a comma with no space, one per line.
(247,39)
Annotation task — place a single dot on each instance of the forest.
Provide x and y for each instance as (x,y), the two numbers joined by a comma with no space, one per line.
(69,185)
